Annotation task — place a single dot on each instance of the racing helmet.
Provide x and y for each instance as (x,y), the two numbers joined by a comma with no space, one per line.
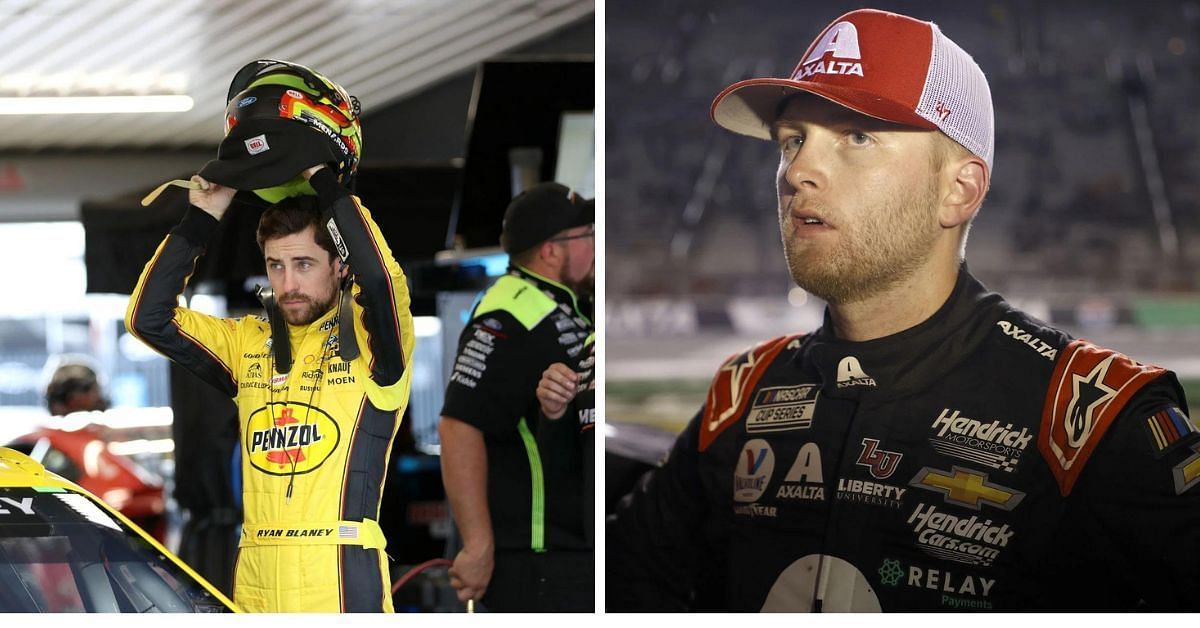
(281,118)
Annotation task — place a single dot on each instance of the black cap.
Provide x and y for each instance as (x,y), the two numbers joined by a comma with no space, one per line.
(539,213)
(260,154)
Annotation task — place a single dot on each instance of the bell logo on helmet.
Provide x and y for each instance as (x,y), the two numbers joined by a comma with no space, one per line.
(257,144)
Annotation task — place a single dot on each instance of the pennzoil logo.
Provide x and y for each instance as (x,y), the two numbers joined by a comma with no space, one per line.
(282,438)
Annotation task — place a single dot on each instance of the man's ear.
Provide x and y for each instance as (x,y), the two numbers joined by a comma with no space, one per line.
(547,251)
(967,182)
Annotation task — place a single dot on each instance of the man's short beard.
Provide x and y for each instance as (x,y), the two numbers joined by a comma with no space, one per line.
(871,258)
(585,285)
(311,312)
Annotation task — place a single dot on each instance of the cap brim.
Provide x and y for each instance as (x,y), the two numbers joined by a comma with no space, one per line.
(749,107)
(293,148)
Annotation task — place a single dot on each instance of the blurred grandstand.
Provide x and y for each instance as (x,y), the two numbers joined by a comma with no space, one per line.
(1092,223)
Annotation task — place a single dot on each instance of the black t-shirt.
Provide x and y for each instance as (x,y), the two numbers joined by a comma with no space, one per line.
(523,324)
(567,442)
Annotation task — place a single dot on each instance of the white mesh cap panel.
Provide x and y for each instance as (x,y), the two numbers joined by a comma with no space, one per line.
(957,99)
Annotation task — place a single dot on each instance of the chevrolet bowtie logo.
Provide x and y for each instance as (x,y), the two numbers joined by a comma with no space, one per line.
(965,487)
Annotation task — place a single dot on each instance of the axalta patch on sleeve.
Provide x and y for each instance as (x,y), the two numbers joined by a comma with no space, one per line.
(731,386)
(1089,388)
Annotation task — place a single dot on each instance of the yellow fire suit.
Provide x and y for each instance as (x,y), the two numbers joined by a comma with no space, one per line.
(315,441)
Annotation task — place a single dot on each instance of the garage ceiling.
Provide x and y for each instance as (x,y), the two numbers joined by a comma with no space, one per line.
(379,50)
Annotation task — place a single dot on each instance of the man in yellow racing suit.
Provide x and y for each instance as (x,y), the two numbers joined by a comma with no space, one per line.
(316,439)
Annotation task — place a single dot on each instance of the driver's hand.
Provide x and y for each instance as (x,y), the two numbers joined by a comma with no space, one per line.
(211,197)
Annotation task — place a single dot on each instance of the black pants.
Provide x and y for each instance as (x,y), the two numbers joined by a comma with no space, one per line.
(556,581)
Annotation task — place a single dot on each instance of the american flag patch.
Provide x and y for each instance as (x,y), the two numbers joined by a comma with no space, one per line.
(347,532)
(1167,427)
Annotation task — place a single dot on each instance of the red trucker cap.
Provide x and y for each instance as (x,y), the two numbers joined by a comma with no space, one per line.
(884,65)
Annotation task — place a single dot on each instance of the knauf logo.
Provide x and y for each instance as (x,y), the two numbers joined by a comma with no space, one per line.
(841,42)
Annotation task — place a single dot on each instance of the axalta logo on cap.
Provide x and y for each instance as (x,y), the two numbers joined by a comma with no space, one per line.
(841,39)
(257,144)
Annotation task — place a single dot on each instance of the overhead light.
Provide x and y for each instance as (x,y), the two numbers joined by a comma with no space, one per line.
(37,105)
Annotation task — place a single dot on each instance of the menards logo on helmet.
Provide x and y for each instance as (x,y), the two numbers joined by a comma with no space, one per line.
(285,438)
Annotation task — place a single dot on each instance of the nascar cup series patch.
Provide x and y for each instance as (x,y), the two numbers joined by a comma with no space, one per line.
(285,438)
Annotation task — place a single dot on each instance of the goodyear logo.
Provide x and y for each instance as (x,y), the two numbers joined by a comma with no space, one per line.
(286,437)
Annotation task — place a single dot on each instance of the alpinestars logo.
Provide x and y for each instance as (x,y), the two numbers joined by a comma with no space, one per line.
(882,463)
(850,373)
(841,39)
(1089,393)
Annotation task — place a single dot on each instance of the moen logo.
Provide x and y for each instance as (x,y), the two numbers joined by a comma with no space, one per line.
(881,462)
(965,487)
(283,438)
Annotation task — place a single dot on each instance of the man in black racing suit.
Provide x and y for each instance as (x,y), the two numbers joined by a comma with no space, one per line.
(929,447)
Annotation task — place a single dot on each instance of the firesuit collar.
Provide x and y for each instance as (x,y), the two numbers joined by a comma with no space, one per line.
(908,361)
(557,291)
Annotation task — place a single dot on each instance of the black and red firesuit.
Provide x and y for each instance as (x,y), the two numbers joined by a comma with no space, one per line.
(978,461)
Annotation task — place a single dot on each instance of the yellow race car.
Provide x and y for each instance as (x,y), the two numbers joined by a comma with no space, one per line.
(64,550)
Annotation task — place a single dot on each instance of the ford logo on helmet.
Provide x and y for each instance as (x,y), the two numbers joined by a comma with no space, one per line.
(249,100)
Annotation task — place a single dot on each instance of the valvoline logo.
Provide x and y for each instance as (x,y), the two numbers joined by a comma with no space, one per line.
(281,435)
(753,470)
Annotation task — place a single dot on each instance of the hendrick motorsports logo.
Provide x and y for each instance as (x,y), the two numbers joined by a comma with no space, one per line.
(992,444)
(289,437)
